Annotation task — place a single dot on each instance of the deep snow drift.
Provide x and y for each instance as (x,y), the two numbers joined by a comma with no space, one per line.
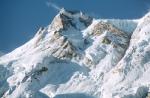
(77,56)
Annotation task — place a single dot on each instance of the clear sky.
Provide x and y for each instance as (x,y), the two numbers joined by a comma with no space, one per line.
(20,19)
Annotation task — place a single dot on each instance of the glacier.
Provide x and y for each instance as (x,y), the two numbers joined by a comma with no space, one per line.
(78,56)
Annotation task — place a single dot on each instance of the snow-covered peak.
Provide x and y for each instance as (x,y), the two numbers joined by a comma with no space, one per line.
(70,19)
(77,56)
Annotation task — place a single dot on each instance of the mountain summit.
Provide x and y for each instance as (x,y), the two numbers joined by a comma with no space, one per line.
(78,56)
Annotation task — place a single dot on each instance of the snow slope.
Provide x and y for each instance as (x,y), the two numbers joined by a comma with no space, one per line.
(77,56)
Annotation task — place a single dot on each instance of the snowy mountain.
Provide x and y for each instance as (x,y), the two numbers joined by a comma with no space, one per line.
(78,56)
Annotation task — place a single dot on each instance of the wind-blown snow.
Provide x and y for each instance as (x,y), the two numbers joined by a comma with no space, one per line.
(77,56)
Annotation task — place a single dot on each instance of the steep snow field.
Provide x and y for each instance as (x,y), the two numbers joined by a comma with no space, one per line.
(77,56)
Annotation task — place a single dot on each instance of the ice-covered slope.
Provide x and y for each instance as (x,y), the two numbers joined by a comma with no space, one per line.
(131,76)
(77,56)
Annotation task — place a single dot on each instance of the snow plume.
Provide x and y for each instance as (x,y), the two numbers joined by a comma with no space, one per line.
(53,5)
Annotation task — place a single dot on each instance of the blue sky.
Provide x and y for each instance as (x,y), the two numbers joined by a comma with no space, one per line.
(20,19)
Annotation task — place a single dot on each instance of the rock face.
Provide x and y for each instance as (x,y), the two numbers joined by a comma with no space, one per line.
(77,56)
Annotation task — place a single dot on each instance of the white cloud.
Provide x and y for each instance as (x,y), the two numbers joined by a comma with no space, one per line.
(53,5)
